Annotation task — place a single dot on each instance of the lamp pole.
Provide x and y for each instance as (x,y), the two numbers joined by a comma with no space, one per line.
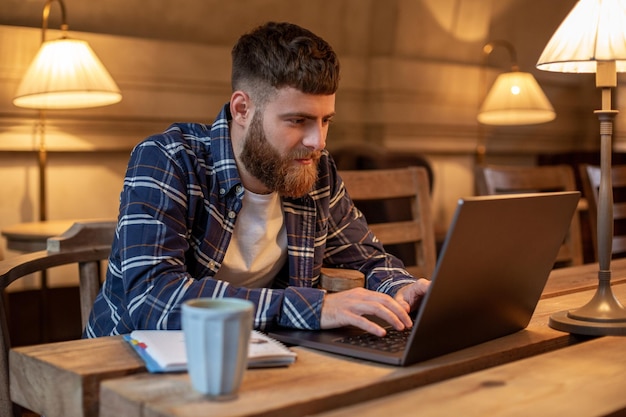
(42,156)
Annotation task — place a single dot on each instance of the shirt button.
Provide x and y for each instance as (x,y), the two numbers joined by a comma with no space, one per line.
(232,214)
(239,189)
(212,265)
(222,191)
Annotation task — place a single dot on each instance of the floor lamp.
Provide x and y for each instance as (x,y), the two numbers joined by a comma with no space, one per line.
(515,98)
(592,39)
(65,74)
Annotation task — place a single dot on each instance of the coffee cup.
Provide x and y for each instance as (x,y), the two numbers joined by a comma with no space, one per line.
(217,333)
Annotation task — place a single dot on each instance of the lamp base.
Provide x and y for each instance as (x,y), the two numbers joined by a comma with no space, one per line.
(564,322)
(603,315)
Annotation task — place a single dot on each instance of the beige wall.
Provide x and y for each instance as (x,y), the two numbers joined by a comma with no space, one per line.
(412,80)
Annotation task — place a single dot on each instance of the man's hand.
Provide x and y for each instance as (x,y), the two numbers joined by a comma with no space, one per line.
(348,307)
(410,295)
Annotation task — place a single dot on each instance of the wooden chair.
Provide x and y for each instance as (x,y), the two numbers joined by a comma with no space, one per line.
(85,244)
(390,188)
(493,179)
(362,155)
(590,176)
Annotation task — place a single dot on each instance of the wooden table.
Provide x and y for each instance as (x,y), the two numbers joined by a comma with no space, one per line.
(32,237)
(79,378)
(587,379)
(319,382)
(579,278)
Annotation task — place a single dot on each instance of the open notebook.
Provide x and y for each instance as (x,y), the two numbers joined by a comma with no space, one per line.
(490,274)
(164,350)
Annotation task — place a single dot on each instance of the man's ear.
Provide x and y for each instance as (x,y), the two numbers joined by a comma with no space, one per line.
(240,107)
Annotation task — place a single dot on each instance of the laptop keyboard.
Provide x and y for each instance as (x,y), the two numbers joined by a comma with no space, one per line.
(393,341)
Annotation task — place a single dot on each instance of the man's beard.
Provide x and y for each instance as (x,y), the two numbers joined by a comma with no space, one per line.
(281,174)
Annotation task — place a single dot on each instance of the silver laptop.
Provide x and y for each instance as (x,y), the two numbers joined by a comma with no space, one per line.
(490,274)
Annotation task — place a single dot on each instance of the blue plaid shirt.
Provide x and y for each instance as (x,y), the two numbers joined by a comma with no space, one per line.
(178,207)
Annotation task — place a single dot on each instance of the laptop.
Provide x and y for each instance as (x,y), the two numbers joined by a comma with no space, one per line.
(490,274)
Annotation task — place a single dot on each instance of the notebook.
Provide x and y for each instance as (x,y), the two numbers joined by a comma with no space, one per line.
(490,274)
(164,350)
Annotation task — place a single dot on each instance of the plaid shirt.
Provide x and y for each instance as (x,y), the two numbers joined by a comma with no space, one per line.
(178,207)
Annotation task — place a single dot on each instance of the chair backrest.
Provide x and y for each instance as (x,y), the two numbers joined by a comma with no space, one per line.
(590,176)
(494,179)
(389,188)
(361,155)
(85,244)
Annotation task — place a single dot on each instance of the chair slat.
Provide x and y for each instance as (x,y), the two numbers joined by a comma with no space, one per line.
(619,210)
(391,187)
(400,232)
(499,179)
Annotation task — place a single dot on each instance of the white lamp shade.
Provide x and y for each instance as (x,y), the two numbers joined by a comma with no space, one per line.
(66,74)
(595,30)
(516,99)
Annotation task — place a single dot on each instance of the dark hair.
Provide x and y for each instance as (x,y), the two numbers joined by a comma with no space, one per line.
(284,55)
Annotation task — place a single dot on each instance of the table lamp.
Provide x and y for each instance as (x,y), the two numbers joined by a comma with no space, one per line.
(514,99)
(592,39)
(65,74)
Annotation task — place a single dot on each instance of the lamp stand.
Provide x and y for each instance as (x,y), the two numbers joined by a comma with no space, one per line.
(42,157)
(603,314)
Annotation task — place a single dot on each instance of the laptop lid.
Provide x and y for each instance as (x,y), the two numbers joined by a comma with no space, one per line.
(490,274)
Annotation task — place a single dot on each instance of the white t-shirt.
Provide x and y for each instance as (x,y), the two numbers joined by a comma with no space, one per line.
(258,247)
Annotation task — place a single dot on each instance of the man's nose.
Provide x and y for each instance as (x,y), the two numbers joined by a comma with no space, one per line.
(316,138)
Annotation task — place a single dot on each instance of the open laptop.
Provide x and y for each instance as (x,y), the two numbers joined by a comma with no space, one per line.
(490,274)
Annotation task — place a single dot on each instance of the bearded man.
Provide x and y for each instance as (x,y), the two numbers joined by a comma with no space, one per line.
(250,207)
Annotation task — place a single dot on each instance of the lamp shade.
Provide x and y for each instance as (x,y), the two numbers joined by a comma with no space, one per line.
(66,74)
(594,30)
(516,99)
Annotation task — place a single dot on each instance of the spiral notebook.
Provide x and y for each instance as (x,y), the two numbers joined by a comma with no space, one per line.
(164,350)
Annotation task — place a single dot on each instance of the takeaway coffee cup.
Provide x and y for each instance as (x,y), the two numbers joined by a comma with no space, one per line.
(217,333)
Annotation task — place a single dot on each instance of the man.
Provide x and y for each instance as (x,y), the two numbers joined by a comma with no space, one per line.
(250,207)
